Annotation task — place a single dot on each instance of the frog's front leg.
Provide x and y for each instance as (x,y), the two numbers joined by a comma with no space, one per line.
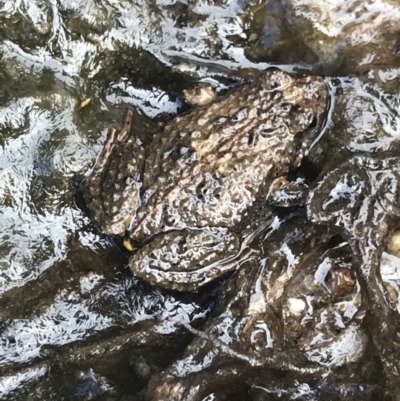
(112,190)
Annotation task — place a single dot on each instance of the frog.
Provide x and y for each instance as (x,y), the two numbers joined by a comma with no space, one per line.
(187,201)
(360,199)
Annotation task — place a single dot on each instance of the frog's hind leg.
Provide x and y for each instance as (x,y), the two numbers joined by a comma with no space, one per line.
(104,155)
(185,260)
(91,186)
(112,190)
(126,129)
(113,137)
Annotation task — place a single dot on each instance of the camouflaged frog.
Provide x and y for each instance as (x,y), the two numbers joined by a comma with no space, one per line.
(187,204)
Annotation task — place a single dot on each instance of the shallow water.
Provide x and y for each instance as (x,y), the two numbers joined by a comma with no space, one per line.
(66,295)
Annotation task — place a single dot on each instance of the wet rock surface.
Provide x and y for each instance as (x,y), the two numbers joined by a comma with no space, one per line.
(313,317)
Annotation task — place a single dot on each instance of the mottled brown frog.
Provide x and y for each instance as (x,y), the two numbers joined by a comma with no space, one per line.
(188,202)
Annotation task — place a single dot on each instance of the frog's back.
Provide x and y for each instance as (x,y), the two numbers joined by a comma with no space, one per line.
(209,166)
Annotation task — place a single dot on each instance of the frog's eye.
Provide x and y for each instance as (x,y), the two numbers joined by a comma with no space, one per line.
(286,107)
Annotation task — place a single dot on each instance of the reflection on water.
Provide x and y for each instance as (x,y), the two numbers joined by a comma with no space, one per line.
(61,284)
(36,218)
(73,317)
